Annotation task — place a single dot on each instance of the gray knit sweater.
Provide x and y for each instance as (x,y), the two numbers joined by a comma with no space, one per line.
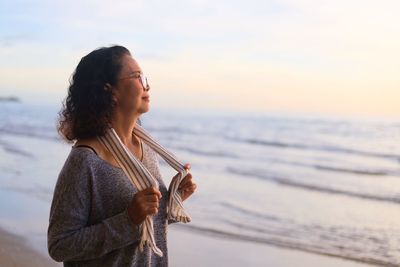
(89,223)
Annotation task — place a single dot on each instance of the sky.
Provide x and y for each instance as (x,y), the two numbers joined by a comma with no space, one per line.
(302,56)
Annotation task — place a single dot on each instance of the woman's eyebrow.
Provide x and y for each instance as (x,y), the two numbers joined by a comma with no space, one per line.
(135,71)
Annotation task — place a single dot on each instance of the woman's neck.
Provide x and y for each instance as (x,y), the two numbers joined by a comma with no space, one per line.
(123,126)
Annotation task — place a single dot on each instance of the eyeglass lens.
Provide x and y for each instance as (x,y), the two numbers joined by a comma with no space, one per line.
(144,81)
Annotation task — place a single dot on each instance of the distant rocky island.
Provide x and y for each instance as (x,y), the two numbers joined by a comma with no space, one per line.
(9,99)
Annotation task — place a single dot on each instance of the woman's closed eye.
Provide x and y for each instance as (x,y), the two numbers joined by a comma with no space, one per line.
(134,75)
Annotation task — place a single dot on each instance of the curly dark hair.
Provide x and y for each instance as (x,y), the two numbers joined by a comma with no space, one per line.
(88,107)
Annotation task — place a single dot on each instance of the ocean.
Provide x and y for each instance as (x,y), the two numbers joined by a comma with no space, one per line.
(318,184)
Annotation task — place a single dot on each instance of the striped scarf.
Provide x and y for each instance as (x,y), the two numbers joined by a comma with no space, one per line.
(142,179)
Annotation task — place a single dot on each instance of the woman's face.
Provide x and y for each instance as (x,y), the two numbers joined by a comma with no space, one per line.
(130,95)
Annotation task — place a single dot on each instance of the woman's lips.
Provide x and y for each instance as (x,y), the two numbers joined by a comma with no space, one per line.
(146,98)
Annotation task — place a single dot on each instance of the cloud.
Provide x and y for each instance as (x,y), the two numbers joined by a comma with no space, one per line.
(11,40)
(285,53)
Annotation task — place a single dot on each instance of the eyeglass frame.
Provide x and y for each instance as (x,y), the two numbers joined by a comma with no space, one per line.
(142,78)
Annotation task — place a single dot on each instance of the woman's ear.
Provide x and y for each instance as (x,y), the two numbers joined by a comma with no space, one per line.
(109,88)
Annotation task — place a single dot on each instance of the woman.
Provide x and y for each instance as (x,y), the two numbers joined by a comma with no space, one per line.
(98,215)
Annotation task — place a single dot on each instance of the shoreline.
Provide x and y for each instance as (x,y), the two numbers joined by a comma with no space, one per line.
(220,235)
(190,248)
(187,248)
(15,251)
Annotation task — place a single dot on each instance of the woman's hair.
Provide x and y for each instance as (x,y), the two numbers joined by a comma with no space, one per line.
(88,108)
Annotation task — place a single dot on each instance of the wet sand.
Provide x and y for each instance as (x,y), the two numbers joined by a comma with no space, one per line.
(196,250)
(187,249)
(14,252)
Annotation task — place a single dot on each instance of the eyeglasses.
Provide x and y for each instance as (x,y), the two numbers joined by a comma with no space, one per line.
(138,75)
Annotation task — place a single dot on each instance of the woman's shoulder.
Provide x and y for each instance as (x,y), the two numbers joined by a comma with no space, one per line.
(79,159)
(81,154)
(88,157)
(89,143)
(76,170)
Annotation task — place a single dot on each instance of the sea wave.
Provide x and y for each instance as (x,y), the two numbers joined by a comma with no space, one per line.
(206,153)
(30,132)
(171,129)
(36,191)
(313,187)
(15,150)
(369,244)
(247,211)
(323,148)
(358,170)
(278,241)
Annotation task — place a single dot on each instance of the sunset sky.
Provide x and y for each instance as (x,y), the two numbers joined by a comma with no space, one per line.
(335,57)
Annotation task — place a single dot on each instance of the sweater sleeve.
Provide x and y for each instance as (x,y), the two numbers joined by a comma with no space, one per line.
(70,237)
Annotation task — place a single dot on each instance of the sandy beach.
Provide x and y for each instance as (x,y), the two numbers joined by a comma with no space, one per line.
(14,252)
(186,249)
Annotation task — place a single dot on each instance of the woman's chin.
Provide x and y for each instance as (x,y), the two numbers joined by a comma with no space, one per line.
(145,109)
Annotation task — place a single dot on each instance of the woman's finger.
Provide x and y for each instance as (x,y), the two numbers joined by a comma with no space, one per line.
(185,185)
(152,205)
(185,181)
(191,188)
(152,210)
(152,191)
(152,198)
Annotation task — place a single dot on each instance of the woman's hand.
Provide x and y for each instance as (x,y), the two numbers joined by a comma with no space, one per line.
(144,203)
(187,186)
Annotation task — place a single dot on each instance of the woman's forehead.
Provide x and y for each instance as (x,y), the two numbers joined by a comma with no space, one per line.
(129,64)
